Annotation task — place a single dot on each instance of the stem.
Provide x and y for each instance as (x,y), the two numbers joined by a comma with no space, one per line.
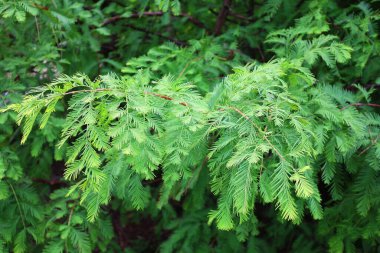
(18,205)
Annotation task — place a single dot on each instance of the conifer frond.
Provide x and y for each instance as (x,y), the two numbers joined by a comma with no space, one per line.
(270,120)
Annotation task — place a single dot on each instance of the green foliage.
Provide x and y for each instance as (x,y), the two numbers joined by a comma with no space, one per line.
(261,139)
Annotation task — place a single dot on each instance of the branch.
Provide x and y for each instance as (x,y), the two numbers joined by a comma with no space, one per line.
(193,20)
(107,89)
(366,86)
(251,8)
(360,104)
(227,19)
(190,18)
(177,42)
(44,8)
(223,13)
(133,15)
(372,85)
(49,182)
(239,16)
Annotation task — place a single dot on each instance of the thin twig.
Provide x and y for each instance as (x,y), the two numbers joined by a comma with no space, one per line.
(187,65)
(18,205)
(239,16)
(79,91)
(261,53)
(70,216)
(193,20)
(196,176)
(258,128)
(373,142)
(38,28)
(68,224)
(261,166)
(15,133)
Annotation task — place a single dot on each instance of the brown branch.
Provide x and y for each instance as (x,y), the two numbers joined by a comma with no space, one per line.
(164,97)
(227,19)
(133,15)
(190,18)
(118,229)
(111,20)
(49,182)
(193,20)
(239,16)
(372,85)
(155,181)
(223,13)
(360,104)
(251,8)
(177,42)
(366,86)
(44,8)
